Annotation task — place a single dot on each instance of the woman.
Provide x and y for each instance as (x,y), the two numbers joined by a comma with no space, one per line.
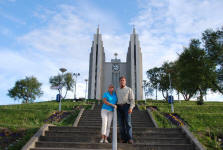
(109,99)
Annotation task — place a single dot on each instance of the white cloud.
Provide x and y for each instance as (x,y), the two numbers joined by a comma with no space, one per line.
(166,26)
(12,18)
(64,41)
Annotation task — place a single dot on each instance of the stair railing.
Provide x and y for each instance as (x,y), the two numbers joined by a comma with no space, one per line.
(114,131)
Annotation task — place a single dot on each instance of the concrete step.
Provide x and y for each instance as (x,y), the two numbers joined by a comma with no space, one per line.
(98,118)
(135,132)
(41,148)
(142,117)
(99,112)
(86,134)
(91,139)
(98,129)
(120,146)
(133,124)
(140,128)
(99,115)
(100,121)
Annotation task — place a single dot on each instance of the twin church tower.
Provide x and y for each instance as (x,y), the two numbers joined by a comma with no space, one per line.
(102,74)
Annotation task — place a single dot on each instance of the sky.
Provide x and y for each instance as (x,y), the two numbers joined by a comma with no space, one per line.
(39,37)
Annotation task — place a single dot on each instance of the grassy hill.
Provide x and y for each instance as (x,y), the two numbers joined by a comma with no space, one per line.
(205,121)
(19,122)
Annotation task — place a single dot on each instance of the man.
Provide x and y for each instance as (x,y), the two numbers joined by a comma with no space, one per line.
(125,104)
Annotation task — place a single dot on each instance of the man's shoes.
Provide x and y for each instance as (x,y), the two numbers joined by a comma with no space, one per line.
(130,141)
(123,141)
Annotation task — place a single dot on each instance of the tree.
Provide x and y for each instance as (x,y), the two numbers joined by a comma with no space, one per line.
(65,80)
(159,78)
(196,71)
(164,84)
(175,80)
(27,89)
(148,89)
(154,77)
(214,50)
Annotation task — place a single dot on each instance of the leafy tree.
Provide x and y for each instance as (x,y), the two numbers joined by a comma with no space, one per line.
(159,78)
(164,84)
(27,89)
(154,77)
(65,80)
(195,70)
(148,89)
(214,50)
(175,80)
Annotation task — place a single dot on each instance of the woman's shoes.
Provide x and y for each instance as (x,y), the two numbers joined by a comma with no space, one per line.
(101,141)
(106,141)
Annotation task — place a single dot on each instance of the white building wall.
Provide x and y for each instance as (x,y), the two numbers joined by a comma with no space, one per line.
(107,76)
(102,71)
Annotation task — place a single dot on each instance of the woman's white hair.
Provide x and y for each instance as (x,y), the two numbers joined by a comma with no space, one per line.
(111,85)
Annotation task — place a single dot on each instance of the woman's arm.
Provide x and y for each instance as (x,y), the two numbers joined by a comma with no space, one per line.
(107,103)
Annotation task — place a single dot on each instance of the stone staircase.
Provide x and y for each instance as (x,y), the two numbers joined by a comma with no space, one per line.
(87,135)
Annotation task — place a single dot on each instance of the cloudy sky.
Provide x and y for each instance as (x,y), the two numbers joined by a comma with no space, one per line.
(39,37)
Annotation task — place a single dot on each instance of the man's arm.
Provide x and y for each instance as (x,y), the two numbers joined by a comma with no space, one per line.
(131,99)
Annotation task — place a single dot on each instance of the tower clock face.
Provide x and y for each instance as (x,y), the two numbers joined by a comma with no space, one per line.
(115,67)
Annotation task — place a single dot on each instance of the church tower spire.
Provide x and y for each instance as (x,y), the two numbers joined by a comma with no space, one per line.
(133,30)
(134,63)
(98,29)
(97,59)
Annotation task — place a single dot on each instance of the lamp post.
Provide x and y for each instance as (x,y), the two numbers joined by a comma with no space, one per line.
(75,85)
(156,90)
(171,93)
(86,80)
(61,85)
(144,88)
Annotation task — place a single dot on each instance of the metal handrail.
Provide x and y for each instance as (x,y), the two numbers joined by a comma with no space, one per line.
(114,134)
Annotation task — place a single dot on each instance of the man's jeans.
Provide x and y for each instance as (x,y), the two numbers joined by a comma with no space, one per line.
(124,119)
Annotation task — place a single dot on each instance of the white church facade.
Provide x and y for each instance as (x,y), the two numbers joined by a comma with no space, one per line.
(102,73)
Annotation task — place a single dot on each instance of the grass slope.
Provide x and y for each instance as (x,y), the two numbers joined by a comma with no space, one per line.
(205,121)
(19,122)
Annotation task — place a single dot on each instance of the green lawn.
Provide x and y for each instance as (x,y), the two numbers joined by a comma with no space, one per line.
(205,121)
(26,119)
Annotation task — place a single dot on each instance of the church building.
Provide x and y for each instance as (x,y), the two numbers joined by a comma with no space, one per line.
(102,73)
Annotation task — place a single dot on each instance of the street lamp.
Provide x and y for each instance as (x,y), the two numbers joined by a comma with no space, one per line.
(60,86)
(75,85)
(171,93)
(144,88)
(63,70)
(156,90)
(86,80)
